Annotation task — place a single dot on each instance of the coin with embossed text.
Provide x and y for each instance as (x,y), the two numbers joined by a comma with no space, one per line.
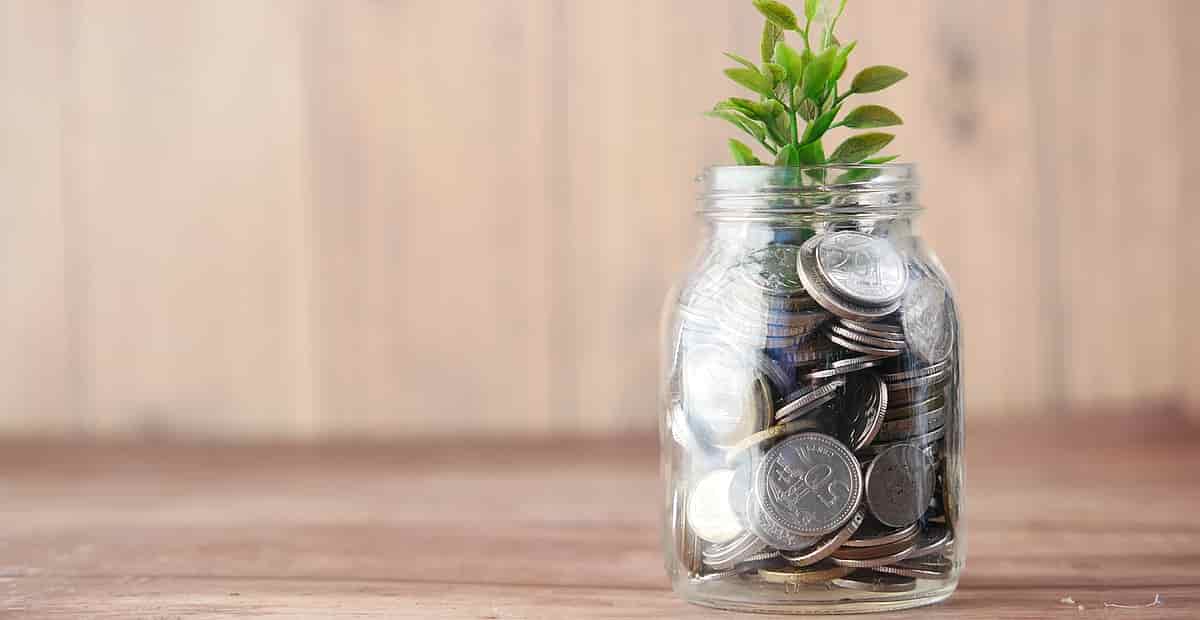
(809,483)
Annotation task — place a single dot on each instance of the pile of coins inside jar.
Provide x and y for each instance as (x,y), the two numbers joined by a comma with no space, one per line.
(812,387)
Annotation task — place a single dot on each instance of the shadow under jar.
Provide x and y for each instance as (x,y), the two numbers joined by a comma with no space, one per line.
(812,399)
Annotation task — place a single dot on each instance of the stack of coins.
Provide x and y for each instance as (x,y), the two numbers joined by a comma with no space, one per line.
(816,383)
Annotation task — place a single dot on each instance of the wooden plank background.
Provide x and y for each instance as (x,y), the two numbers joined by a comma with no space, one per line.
(309,219)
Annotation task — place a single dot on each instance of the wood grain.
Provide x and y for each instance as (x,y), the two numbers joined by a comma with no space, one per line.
(311,219)
(570,530)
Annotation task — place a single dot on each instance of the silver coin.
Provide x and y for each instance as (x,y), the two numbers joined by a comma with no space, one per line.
(937,401)
(913,373)
(919,382)
(803,400)
(876,534)
(896,430)
(872,562)
(899,485)
(918,569)
(806,354)
(883,330)
(710,514)
(773,533)
(773,269)
(824,294)
(926,320)
(722,394)
(844,366)
(929,567)
(725,556)
(874,582)
(933,539)
(861,267)
(862,348)
(809,483)
(827,545)
(815,406)
(873,341)
(864,409)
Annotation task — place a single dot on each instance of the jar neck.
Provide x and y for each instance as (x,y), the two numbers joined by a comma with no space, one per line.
(756,231)
(783,196)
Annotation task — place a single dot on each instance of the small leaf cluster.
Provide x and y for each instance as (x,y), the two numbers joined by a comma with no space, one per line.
(797,98)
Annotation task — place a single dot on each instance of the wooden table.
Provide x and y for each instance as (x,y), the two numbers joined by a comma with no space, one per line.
(1096,509)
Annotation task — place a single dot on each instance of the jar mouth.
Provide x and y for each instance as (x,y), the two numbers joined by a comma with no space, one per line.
(828,189)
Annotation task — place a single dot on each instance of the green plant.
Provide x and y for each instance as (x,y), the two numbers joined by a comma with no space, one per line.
(798,97)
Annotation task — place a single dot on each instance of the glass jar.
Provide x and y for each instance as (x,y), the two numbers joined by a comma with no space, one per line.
(812,398)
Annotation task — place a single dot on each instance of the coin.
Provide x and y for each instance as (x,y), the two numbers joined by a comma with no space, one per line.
(773,533)
(809,483)
(820,572)
(926,321)
(912,373)
(802,400)
(933,539)
(869,340)
(872,562)
(875,328)
(815,406)
(899,485)
(827,297)
(896,430)
(864,408)
(921,381)
(710,515)
(874,534)
(722,394)
(862,348)
(772,432)
(804,354)
(924,441)
(773,269)
(937,401)
(924,568)
(827,545)
(877,551)
(844,366)
(861,267)
(725,556)
(874,582)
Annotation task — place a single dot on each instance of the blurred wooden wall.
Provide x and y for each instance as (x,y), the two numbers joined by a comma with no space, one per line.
(304,219)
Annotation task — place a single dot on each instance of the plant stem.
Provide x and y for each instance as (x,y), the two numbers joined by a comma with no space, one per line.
(795,119)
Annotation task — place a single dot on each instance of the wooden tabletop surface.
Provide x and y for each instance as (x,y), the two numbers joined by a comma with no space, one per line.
(1090,510)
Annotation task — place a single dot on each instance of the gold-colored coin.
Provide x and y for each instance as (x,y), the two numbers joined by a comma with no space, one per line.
(816,574)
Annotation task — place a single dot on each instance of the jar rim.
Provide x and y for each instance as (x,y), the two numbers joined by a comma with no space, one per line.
(829,188)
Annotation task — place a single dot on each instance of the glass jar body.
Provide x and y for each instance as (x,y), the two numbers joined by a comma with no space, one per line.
(812,404)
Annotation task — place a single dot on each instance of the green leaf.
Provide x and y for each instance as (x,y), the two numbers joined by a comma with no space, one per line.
(876,78)
(816,74)
(810,9)
(771,35)
(751,79)
(791,60)
(777,73)
(869,116)
(741,122)
(741,61)
(739,105)
(820,126)
(808,109)
(788,156)
(812,154)
(856,176)
(742,154)
(778,13)
(875,161)
(839,63)
(779,126)
(857,148)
